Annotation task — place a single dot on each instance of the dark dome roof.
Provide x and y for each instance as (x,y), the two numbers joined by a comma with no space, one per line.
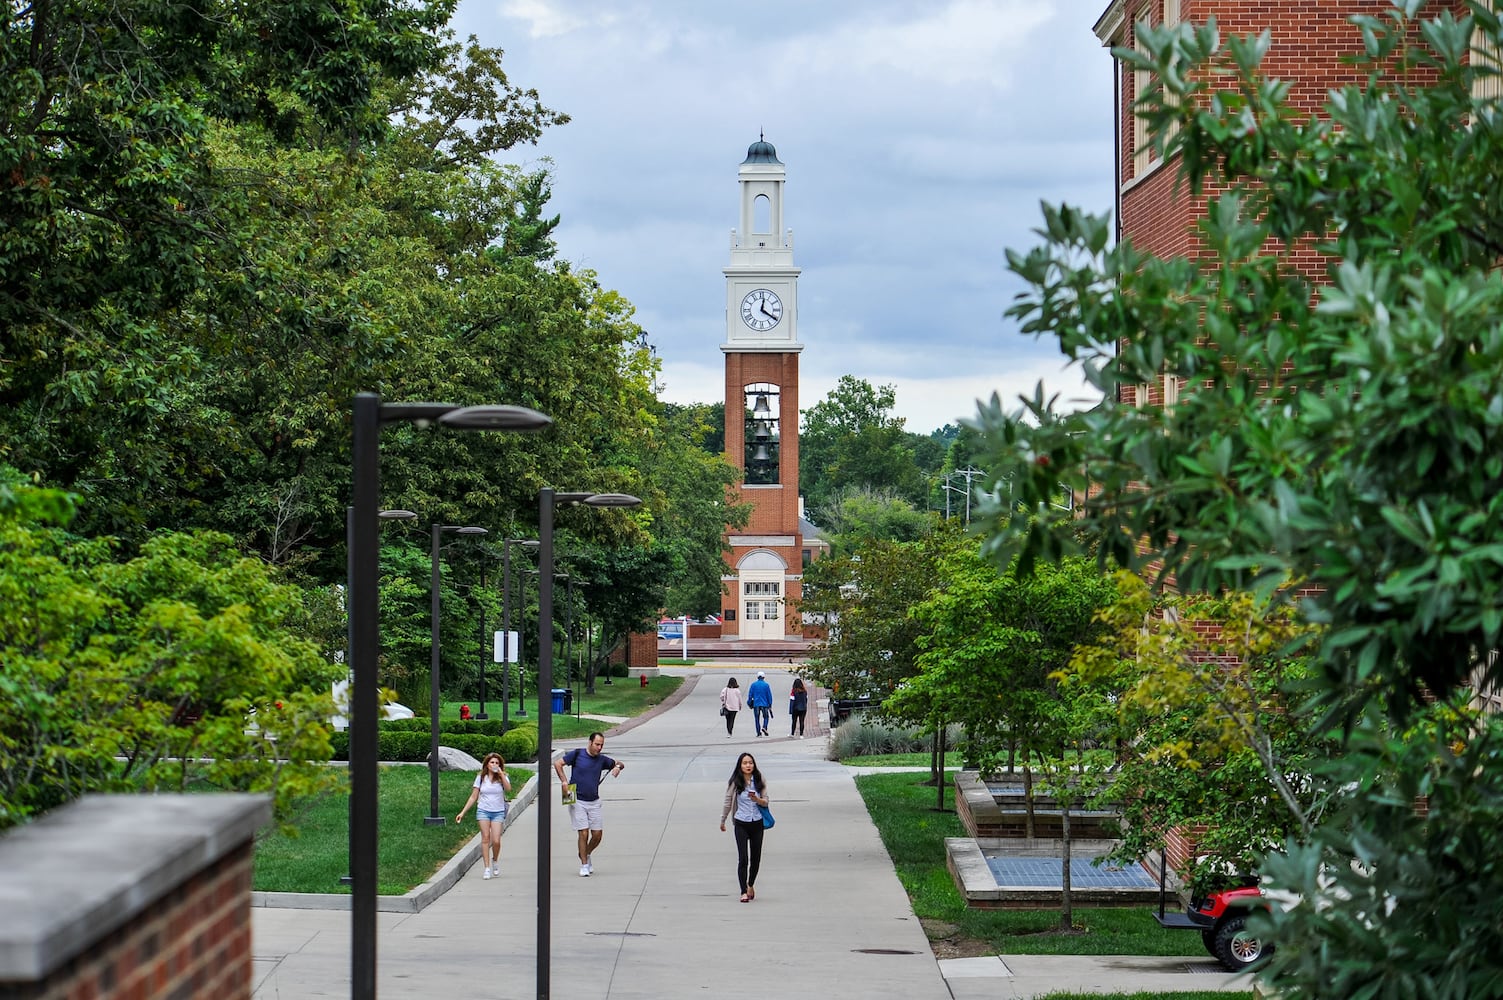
(762,151)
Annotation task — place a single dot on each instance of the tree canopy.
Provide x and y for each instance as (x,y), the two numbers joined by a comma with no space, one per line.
(1345,435)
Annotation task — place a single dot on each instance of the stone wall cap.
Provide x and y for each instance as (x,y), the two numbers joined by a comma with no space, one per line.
(87,868)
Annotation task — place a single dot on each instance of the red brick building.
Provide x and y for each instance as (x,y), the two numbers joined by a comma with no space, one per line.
(1309,43)
(1309,40)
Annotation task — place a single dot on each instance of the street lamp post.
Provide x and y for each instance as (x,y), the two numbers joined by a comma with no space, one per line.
(506,649)
(484,647)
(547,499)
(434,818)
(369,413)
(568,579)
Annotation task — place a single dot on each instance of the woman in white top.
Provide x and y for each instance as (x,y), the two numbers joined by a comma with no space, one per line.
(730,704)
(746,793)
(490,790)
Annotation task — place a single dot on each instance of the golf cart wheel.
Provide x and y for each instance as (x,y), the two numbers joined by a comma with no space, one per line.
(1208,938)
(1236,948)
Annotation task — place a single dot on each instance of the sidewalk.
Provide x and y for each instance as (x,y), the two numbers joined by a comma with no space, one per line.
(660,917)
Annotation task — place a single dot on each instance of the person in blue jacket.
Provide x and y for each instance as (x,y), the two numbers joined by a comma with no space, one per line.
(759,698)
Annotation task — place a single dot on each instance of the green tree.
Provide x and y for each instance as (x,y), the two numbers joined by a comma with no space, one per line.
(989,644)
(106,108)
(115,674)
(1207,730)
(850,439)
(865,598)
(1345,436)
(854,516)
(686,489)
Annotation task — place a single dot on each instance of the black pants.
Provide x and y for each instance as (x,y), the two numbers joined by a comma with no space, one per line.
(730,722)
(748,851)
(796,720)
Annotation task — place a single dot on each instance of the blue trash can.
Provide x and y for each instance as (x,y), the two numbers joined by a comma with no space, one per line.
(558,700)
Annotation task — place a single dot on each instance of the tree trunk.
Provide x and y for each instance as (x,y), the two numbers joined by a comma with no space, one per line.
(939,768)
(1027,799)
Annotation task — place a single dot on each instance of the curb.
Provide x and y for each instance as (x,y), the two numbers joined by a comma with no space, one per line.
(419,898)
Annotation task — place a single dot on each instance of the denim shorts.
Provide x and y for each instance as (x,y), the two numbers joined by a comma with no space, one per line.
(487,816)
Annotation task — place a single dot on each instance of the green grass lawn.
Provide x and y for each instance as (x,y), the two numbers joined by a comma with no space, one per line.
(408,851)
(952,759)
(624,697)
(914,832)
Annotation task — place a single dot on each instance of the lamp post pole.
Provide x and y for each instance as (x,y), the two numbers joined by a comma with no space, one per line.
(568,579)
(505,631)
(485,647)
(434,818)
(506,650)
(368,414)
(547,499)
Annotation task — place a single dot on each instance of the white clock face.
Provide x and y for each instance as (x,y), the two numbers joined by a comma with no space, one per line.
(761,309)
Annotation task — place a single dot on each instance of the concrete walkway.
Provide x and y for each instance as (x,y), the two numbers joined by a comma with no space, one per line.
(660,917)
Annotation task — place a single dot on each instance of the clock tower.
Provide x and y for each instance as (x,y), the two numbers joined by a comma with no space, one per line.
(765,565)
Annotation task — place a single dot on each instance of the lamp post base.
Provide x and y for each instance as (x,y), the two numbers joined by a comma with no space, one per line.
(433,821)
(482,717)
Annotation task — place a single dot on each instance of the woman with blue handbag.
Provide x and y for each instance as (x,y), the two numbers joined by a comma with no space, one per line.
(746,794)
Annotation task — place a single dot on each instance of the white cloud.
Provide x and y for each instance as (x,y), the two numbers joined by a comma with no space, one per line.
(919,140)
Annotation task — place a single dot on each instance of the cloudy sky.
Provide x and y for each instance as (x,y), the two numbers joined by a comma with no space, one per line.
(919,138)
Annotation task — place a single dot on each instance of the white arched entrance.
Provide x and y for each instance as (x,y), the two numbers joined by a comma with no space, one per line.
(760,576)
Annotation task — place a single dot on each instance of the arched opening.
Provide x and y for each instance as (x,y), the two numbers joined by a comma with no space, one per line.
(762,214)
(763,434)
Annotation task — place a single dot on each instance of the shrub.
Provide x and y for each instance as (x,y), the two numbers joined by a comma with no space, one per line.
(866,736)
(521,743)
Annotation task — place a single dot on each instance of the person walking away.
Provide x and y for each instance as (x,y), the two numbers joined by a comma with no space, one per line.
(588,766)
(798,708)
(730,704)
(745,794)
(490,790)
(759,697)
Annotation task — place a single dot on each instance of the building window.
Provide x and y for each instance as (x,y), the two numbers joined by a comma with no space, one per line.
(1484,56)
(1143,156)
(763,589)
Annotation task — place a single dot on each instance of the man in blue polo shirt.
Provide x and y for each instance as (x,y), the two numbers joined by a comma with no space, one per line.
(588,765)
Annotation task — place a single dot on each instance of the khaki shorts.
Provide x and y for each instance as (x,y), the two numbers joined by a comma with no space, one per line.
(585,815)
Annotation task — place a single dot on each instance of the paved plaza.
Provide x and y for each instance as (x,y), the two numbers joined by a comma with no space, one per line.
(660,916)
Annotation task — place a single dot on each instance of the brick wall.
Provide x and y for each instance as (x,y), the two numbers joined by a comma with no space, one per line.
(131,896)
(193,942)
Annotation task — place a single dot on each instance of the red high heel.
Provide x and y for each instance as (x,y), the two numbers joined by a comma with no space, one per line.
(751,894)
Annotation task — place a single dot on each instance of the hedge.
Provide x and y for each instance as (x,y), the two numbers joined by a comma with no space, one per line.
(519,744)
(420,724)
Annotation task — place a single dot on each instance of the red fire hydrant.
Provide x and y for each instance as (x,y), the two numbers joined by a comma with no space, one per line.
(464,712)
(644,680)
